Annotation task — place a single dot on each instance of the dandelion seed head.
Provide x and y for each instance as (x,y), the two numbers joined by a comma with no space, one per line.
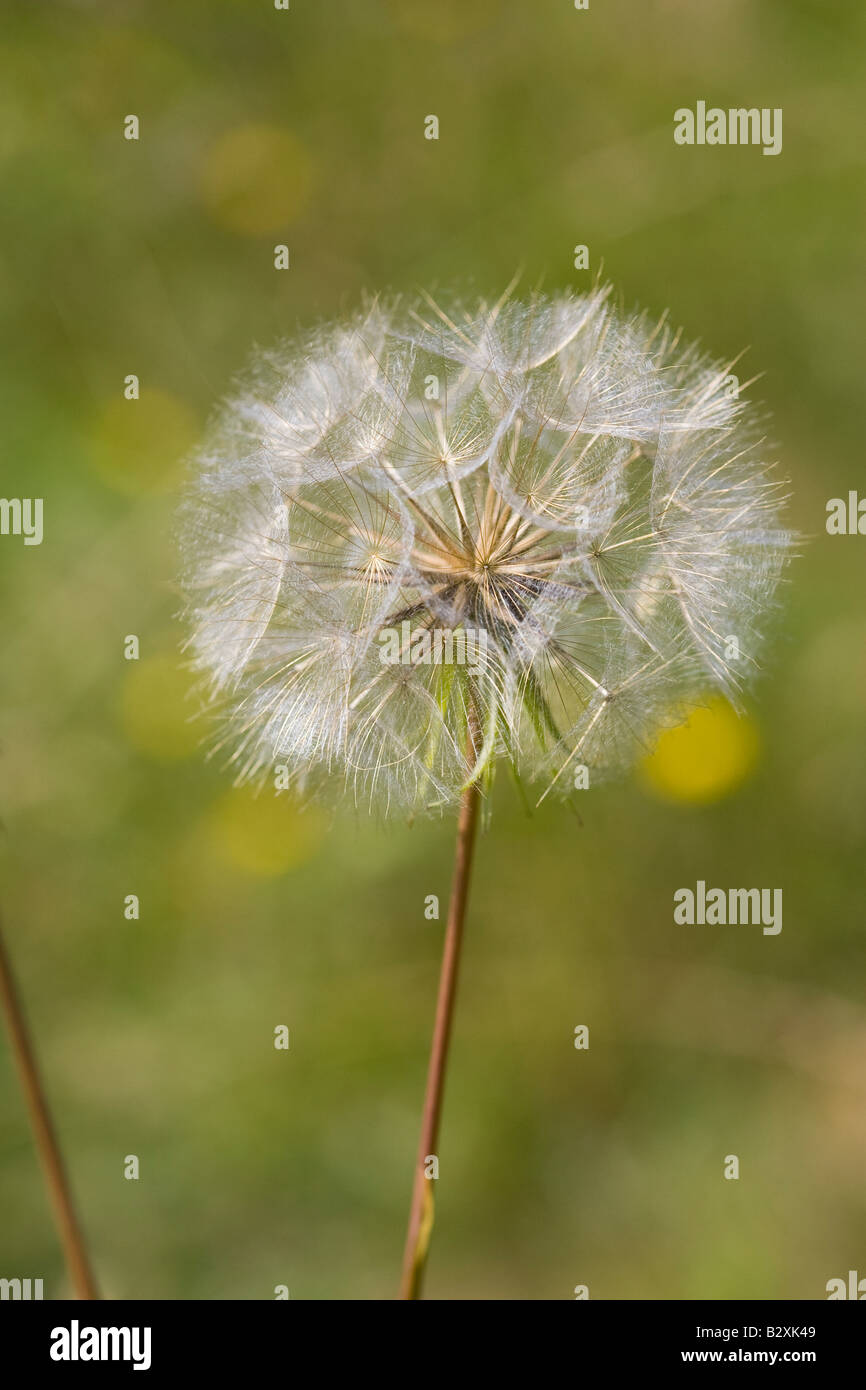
(557,518)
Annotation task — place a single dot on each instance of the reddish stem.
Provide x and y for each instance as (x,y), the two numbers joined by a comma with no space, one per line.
(44,1134)
(417,1236)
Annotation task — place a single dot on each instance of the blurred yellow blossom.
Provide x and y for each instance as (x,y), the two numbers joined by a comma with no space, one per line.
(705,759)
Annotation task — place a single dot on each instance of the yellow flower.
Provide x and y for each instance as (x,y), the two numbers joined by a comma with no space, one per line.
(705,759)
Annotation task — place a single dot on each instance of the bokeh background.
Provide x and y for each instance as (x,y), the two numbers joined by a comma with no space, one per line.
(155,257)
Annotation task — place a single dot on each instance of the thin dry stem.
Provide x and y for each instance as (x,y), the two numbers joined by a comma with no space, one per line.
(421,1210)
(44,1134)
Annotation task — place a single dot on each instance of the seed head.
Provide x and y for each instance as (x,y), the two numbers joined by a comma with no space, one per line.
(426,540)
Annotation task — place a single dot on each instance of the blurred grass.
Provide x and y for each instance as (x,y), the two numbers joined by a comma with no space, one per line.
(156,258)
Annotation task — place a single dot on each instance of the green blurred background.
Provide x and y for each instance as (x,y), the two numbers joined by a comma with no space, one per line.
(155,257)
